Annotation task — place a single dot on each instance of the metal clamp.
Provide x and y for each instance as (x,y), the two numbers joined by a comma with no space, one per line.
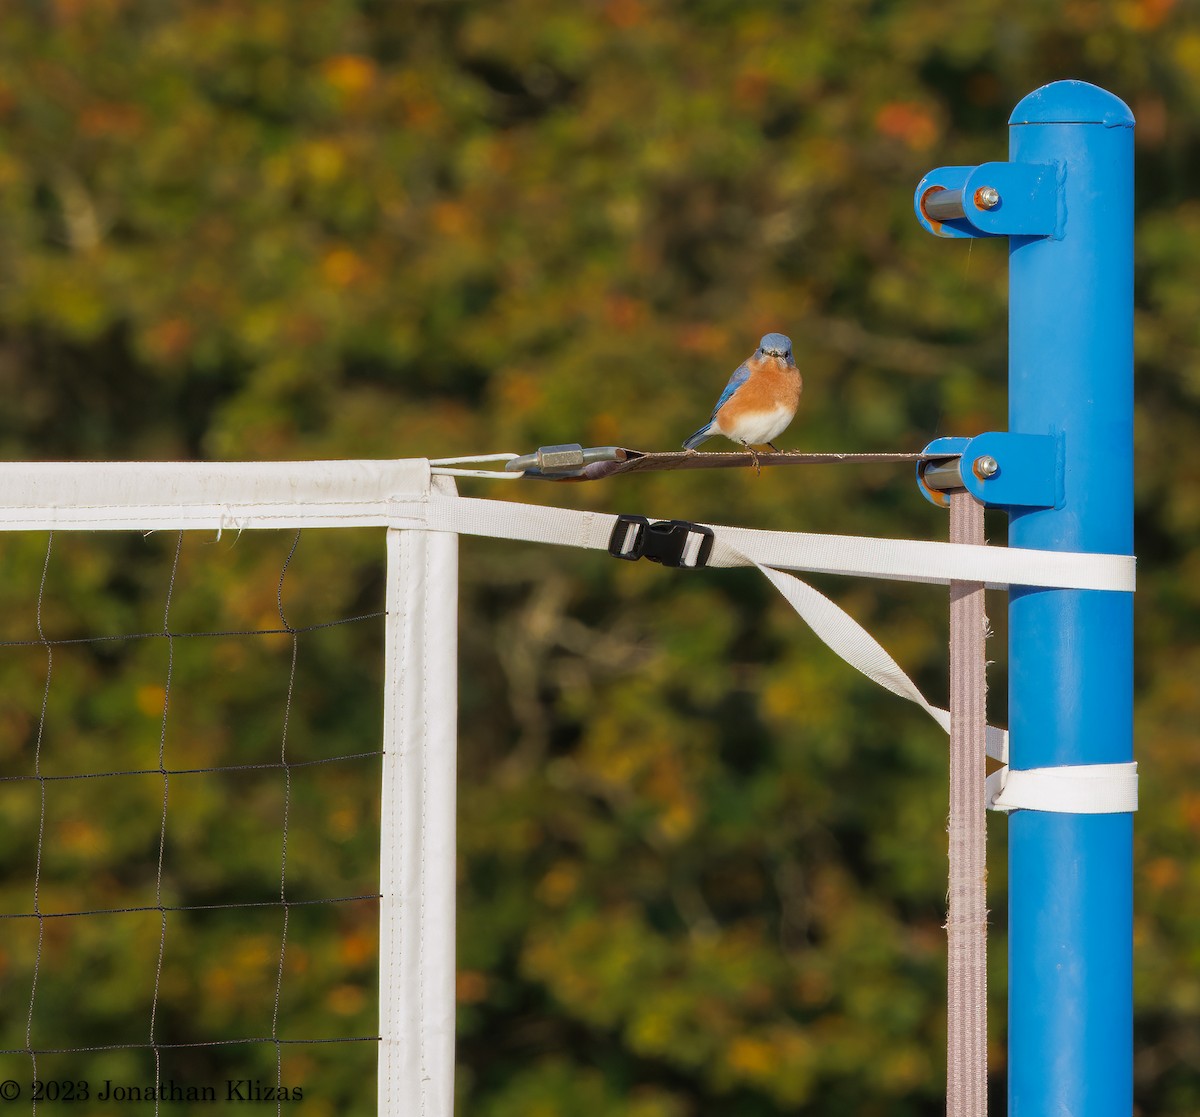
(677,543)
(553,463)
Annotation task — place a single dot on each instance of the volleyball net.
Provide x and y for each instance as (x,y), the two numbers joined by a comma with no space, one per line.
(264,879)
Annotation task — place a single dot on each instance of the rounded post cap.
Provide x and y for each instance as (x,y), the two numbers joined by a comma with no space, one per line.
(1072,102)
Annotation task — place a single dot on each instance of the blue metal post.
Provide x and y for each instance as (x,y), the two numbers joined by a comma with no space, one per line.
(1071,652)
(1064,472)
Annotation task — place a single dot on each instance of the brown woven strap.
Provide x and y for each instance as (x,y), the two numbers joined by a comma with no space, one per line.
(966,924)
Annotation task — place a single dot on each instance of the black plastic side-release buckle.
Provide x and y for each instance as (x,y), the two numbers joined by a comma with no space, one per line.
(678,543)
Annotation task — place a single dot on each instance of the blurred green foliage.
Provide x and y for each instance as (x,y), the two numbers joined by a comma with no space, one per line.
(702,864)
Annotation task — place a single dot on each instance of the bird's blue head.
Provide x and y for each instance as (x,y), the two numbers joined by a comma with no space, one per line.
(776,345)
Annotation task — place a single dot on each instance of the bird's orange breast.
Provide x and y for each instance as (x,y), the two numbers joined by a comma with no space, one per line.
(772,384)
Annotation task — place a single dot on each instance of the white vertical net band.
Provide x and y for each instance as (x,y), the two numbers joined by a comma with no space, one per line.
(417,835)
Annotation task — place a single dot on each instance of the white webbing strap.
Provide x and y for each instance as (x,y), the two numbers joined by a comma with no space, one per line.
(899,559)
(848,639)
(906,560)
(1065,789)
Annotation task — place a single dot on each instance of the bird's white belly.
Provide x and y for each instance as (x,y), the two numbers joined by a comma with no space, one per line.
(757,427)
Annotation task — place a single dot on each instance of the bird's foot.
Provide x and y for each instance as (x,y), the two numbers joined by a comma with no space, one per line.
(754,455)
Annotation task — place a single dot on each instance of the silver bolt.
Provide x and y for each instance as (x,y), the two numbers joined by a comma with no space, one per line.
(985,467)
(987,197)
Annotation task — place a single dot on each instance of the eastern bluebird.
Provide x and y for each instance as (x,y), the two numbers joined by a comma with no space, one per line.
(760,399)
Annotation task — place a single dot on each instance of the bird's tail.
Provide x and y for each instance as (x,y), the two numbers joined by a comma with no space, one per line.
(702,435)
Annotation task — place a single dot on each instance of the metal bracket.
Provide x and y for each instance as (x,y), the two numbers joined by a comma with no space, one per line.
(991,200)
(999,469)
